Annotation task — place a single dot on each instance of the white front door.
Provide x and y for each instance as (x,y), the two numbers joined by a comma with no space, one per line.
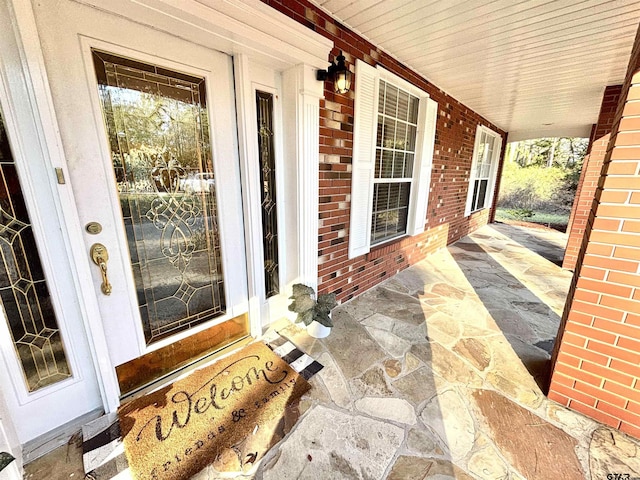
(148,125)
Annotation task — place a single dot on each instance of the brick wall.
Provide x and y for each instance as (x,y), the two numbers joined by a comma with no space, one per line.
(590,175)
(455,136)
(574,207)
(597,357)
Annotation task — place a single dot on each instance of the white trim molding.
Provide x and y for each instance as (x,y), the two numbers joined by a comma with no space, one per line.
(251,188)
(302,94)
(229,26)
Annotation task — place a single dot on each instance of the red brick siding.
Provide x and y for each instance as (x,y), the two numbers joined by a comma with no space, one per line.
(590,175)
(570,263)
(455,136)
(597,357)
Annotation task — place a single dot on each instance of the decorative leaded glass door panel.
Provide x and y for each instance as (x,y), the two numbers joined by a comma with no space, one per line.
(158,132)
(151,125)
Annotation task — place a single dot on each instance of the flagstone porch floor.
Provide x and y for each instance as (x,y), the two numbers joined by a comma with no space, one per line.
(437,373)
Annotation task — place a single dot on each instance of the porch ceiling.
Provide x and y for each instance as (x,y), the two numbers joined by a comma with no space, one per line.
(534,68)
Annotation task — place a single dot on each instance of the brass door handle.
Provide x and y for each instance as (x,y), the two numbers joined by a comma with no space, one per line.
(100,257)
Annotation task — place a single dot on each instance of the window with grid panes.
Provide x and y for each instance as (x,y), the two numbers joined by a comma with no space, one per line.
(483,169)
(394,159)
(393,143)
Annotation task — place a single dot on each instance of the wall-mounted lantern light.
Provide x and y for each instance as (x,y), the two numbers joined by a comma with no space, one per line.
(339,73)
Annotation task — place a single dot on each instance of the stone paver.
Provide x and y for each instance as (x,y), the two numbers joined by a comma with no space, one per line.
(436,373)
(533,446)
(350,340)
(448,416)
(486,461)
(64,463)
(371,382)
(423,442)
(332,444)
(394,409)
(392,344)
(334,381)
(417,386)
(424,468)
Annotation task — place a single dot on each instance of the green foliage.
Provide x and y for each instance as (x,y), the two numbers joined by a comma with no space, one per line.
(5,460)
(300,290)
(325,304)
(541,176)
(308,309)
(532,188)
(520,213)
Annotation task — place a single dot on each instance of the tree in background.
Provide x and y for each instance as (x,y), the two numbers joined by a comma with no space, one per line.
(541,176)
(559,151)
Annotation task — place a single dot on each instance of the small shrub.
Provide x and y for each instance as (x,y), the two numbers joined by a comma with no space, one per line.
(520,213)
(534,188)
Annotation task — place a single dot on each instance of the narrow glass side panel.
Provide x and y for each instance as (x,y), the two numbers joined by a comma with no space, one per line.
(267,159)
(23,288)
(158,131)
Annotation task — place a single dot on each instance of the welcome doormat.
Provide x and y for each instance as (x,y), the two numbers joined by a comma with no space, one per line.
(103,451)
(175,432)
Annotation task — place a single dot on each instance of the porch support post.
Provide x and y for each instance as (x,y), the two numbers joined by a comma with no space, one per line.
(595,362)
(590,175)
(305,118)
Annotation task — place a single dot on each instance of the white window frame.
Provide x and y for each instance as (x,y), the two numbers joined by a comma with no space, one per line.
(364,151)
(491,185)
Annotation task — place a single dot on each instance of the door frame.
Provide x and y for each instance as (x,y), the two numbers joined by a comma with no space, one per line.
(245,29)
(250,78)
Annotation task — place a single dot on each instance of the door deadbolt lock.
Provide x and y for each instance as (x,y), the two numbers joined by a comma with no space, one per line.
(100,257)
(94,228)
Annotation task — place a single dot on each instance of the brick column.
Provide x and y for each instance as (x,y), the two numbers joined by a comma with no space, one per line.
(597,357)
(576,199)
(590,175)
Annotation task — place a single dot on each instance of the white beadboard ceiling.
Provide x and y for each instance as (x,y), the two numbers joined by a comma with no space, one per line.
(535,68)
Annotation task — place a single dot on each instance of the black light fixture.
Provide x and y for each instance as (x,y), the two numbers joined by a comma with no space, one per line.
(339,73)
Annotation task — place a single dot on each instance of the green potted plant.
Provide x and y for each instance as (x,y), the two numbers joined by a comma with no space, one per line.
(314,313)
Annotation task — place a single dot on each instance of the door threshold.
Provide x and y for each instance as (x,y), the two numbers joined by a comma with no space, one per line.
(185,370)
(138,373)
